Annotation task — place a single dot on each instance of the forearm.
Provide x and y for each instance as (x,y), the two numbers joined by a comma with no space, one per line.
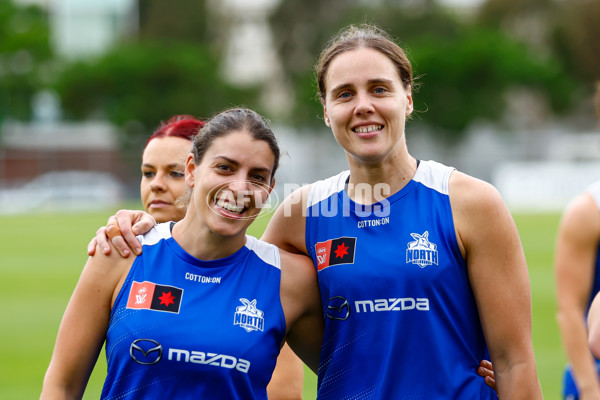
(574,336)
(518,381)
(55,388)
(288,378)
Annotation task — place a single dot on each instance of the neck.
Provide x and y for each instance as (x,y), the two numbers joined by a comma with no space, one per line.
(372,181)
(199,241)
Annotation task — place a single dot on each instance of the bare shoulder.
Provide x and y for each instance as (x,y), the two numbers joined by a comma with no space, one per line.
(286,229)
(107,272)
(297,268)
(581,218)
(472,194)
(479,213)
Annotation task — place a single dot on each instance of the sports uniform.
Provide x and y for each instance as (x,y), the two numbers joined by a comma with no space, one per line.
(570,391)
(395,293)
(186,328)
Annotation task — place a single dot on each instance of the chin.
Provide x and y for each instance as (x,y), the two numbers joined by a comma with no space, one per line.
(164,216)
(230,229)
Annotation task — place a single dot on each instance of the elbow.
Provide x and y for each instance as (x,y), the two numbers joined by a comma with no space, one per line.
(55,387)
(594,339)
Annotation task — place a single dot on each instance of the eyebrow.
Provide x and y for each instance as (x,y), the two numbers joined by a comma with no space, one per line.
(369,82)
(234,162)
(174,165)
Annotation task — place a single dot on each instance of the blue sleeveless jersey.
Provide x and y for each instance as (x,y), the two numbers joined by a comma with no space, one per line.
(570,391)
(182,328)
(400,316)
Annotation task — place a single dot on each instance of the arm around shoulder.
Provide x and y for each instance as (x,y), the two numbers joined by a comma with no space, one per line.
(301,304)
(83,327)
(286,229)
(498,275)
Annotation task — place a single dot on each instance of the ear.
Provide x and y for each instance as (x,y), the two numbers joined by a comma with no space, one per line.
(326,117)
(190,170)
(409,105)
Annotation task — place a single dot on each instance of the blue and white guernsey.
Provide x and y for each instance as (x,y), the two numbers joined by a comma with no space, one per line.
(401,320)
(182,328)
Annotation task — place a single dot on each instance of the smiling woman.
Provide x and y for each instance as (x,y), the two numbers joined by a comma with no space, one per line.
(204,311)
(444,283)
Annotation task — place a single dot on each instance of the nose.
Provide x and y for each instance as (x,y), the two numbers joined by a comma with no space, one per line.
(238,185)
(363,104)
(158,183)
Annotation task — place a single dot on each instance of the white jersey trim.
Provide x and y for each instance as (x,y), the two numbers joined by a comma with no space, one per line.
(430,173)
(594,190)
(265,251)
(156,234)
(324,188)
(434,175)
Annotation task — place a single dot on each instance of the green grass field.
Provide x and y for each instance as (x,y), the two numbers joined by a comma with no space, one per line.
(41,257)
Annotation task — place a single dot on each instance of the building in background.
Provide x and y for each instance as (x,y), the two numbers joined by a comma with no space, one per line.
(78,151)
(526,165)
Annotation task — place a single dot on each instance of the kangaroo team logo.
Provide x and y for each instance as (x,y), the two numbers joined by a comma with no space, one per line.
(421,252)
(248,316)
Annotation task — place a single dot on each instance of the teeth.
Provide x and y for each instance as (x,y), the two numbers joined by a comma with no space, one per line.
(367,129)
(230,207)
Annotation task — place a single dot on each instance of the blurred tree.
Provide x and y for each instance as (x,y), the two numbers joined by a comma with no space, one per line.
(147,82)
(569,29)
(185,20)
(467,76)
(577,37)
(24,57)
(463,70)
(171,67)
(498,13)
(300,29)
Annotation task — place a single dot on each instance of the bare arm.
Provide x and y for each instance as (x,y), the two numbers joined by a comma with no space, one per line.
(286,230)
(301,302)
(287,226)
(499,278)
(576,246)
(83,327)
(594,326)
(287,381)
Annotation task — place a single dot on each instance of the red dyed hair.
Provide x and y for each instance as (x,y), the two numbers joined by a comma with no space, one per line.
(183,126)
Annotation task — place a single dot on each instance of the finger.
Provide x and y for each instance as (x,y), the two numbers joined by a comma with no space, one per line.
(124,221)
(113,230)
(121,246)
(102,240)
(91,247)
(146,223)
(490,382)
(486,364)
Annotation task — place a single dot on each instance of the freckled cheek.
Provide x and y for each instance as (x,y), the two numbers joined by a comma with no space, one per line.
(144,192)
(178,189)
